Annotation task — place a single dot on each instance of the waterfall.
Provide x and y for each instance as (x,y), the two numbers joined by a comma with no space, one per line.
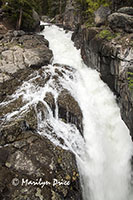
(104,151)
(104,162)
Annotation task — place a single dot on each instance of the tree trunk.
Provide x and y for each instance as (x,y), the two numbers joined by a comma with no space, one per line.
(60,10)
(19,20)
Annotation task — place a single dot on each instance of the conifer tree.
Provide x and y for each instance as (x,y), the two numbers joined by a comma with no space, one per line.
(19,12)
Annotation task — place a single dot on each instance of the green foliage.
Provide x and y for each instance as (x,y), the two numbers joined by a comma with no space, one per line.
(27,21)
(93,5)
(130,80)
(41,6)
(106,34)
(83,6)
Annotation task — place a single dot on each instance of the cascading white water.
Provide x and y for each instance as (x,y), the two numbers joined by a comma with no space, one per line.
(105,166)
(104,154)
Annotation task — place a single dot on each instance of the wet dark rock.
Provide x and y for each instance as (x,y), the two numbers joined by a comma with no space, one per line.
(29,120)
(49,98)
(41,110)
(69,110)
(14,105)
(24,122)
(42,27)
(12,82)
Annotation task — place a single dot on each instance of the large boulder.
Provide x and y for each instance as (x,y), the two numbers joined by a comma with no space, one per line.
(71,16)
(69,109)
(126,10)
(20,55)
(36,58)
(121,21)
(117,4)
(101,15)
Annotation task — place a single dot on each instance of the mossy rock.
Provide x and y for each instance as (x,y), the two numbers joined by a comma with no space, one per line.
(107,34)
(130,83)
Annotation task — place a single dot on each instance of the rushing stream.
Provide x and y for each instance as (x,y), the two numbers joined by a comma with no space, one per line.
(104,154)
(104,161)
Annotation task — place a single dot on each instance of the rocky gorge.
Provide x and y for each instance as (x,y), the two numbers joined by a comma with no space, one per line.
(108,49)
(111,54)
(26,155)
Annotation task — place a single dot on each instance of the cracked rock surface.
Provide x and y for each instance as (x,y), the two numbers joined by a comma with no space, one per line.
(20,54)
(25,156)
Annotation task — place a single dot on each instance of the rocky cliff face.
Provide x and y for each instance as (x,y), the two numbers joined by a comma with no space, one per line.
(31,166)
(20,54)
(109,50)
(24,154)
(111,55)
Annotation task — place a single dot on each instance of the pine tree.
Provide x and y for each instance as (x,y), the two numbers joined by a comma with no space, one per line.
(19,12)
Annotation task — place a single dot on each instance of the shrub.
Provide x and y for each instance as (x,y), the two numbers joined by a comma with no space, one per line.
(130,80)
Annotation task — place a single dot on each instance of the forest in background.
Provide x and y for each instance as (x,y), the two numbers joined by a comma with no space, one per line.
(20,12)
